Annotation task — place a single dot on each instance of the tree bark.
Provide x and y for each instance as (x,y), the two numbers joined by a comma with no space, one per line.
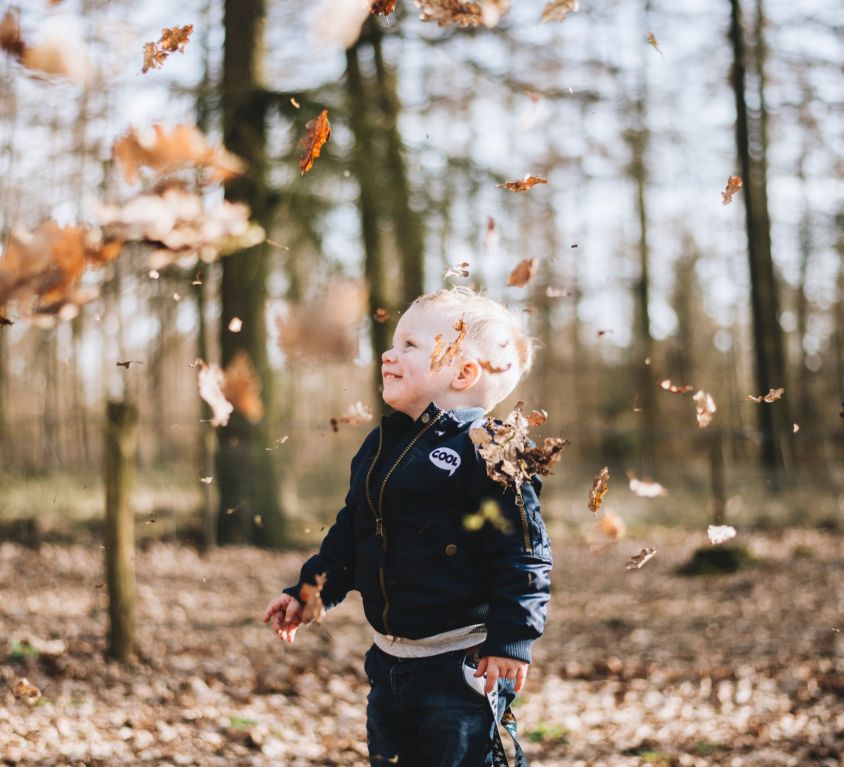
(751,143)
(120,449)
(249,508)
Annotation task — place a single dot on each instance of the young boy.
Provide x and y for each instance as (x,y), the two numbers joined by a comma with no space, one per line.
(448,605)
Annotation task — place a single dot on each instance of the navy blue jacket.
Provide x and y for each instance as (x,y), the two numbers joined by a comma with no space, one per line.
(401,542)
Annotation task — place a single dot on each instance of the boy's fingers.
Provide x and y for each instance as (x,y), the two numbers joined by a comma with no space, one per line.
(521,678)
(273,608)
(292,614)
(492,674)
(481,670)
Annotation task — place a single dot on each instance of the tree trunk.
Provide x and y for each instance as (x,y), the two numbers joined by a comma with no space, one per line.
(120,448)
(751,143)
(249,507)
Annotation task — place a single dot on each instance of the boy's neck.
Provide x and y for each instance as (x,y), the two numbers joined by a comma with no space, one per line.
(462,412)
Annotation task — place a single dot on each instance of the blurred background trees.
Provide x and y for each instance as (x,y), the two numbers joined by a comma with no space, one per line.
(636,114)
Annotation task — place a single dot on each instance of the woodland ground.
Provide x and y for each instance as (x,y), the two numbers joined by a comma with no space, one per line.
(637,667)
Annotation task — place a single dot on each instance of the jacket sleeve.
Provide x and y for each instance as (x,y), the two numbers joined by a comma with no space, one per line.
(336,557)
(519,552)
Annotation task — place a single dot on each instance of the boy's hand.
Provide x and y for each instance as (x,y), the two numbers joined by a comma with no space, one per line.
(285,612)
(503,668)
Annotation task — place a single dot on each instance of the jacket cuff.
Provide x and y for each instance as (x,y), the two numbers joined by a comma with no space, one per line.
(518,649)
(294,591)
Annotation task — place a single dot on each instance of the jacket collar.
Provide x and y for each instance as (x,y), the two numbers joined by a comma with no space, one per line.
(458,415)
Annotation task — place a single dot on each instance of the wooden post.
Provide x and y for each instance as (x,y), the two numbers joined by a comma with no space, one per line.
(120,448)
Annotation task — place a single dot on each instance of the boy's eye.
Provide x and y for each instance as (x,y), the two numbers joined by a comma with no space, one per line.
(409,344)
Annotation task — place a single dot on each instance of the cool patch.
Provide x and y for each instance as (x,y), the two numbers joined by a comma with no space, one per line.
(445,458)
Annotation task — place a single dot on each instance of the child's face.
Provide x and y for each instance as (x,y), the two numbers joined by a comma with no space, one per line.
(409,383)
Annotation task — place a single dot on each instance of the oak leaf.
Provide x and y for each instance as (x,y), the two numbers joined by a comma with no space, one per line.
(172,40)
(637,560)
(600,485)
(443,357)
(318,132)
(523,272)
(310,595)
(557,10)
(705,408)
(464,14)
(528,182)
(734,183)
(772,396)
(674,388)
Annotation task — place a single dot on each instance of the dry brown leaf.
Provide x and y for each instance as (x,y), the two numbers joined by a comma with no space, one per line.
(523,272)
(381,315)
(637,560)
(653,43)
(172,40)
(734,183)
(310,595)
(511,457)
(326,327)
(383,7)
(127,363)
(528,182)
(461,270)
(164,150)
(612,526)
(242,387)
(705,408)
(210,379)
(318,132)
(772,396)
(537,417)
(674,388)
(490,238)
(464,14)
(557,10)
(553,292)
(720,533)
(600,485)
(490,368)
(442,358)
(26,692)
(10,34)
(355,414)
(645,488)
(61,52)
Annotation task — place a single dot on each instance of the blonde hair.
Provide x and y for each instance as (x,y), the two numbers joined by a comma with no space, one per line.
(493,337)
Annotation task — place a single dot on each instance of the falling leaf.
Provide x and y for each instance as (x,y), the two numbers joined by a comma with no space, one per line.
(492,11)
(295,104)
(383,7)
(26,692)
(653,43)
(310,595)
(528,182)
(772,396)
(461,270)
(523,272)
(210,378)
(355,414)
(537,417)
(720,533)
(172,40)
(235,325)
(381,315)
(673,388)
(603,332)
(242,388)
(600,485)
(612,526)
(509,453)
(258,520)
(552,292)
(129,362)
(206,480)
(645,488)
(557,10)
(464,14)
(278,443)
(637,560)
(4,321)
(318,132)
(490,368)
(164,150)
(442,358)
(10,34)
(705,407)
(734,183)
(795,427)
(490,238)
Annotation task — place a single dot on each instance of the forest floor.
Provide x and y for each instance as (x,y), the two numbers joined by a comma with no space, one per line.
(636,667)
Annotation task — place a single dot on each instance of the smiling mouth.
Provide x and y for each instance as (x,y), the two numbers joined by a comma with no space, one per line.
(388,376)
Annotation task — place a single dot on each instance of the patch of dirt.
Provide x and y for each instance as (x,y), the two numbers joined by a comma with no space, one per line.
(636,667)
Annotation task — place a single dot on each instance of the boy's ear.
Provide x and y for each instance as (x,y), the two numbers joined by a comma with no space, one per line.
(467,376)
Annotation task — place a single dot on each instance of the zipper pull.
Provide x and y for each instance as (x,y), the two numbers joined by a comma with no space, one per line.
(379,527)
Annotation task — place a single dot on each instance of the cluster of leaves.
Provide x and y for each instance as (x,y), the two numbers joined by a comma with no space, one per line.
(237,388)
(486,12)
(172,40)
(510,455)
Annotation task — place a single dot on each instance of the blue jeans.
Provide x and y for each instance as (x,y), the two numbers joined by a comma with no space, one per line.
(422,711)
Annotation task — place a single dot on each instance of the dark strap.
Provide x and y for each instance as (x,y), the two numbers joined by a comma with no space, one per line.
(508,722)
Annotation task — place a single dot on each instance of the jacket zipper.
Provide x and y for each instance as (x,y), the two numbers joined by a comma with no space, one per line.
(520,502)
(379,519)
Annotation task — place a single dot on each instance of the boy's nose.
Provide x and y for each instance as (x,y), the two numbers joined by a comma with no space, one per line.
(387,356)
